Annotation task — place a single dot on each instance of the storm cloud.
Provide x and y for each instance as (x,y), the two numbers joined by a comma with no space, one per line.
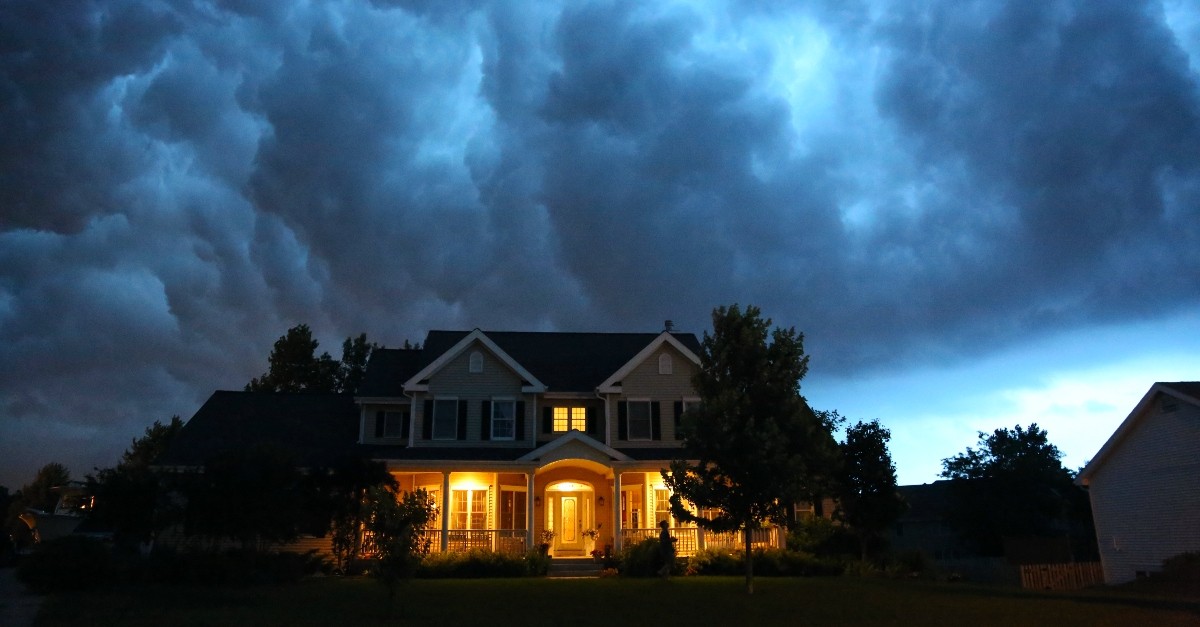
(905,182)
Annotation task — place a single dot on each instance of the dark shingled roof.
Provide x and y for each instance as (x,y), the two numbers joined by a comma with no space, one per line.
(1189,388)
(565,362)
(316,429)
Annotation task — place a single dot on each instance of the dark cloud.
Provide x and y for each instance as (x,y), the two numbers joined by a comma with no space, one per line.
(181,182)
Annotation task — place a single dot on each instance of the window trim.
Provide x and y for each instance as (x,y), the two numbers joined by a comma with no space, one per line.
(512,435)
(452,419)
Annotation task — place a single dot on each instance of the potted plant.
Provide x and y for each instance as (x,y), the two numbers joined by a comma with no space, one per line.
(589,539)
(546,537)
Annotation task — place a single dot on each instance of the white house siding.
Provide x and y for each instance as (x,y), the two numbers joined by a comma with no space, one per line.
(1146,496)
(456,380)
(644,382)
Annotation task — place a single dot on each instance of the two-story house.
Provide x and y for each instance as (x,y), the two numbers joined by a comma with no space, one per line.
(512,433)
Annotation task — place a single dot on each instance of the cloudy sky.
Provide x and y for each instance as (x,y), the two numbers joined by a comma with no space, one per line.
(979,213)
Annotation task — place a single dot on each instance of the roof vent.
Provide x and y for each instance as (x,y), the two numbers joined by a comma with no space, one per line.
(669,326)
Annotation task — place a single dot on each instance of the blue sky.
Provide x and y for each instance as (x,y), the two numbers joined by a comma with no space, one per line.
(979,213)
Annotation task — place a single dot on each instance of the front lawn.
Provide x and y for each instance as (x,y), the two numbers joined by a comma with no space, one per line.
(611,602)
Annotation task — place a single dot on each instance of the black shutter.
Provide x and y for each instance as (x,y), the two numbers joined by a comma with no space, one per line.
(547,420)
(655,420)
(427,420)
(623,420)
(593,421)
(485,419)
(406,423)
(379,424)
(462,420)
(520,420)
(678,415)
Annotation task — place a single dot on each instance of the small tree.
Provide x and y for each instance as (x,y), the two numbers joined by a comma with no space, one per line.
(395,525)
(295,366)
(253,496)
(753,446)
(345,490)
(866,489)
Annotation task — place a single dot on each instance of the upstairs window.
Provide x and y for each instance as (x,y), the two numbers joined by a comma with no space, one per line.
(445,419)
(504,419)
(639,420)
(394,424)
(665,365)
(476,362)
(567,418)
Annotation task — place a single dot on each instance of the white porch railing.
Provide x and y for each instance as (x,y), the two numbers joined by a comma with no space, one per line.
(688,540)
(462,540)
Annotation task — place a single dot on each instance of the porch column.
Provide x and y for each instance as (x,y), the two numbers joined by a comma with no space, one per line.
(616,510)
(445,509)
(529,496)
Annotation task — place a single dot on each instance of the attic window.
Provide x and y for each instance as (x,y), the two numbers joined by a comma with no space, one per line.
(665,366)
(476,365)
(1168,404)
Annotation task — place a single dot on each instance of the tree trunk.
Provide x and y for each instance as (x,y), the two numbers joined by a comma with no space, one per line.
(746,534)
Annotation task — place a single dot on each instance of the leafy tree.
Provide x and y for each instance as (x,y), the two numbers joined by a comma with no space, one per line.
(295,366)
(868,501)
(395,524)
(1013,484)
(253,496)
(753,445)
(344,491)
(128,496)
(38,494)
(356,352)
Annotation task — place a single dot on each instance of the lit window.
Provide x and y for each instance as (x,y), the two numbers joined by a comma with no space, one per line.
(567,418)
(504,415)
(468,509)
(662,507)
(665,365)
(476,364)
(445,419)
(639,420)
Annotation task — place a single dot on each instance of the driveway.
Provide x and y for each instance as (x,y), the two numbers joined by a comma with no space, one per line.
(18,608)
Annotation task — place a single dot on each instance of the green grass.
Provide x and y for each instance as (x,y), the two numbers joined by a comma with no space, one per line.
(613,602)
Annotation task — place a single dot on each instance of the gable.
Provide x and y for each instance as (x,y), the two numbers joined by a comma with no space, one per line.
(646,361)
(475,340)
(1162,408)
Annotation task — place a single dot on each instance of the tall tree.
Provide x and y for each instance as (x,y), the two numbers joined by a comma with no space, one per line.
(868,501)
(295,366)
(753,445)
(1013,484)
(356,352)
(128,496)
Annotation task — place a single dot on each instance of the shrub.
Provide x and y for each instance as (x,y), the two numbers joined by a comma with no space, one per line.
(644,559)
(473,564)
(537,563)
(1182,567)
(767,563)
(66,564)
(822,537)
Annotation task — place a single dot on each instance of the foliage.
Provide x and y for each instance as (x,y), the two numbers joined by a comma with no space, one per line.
(537,563)
(356,352)
(643,559)
(295,366)
(254,496)
(758,444)
(129,499)
(395,525)
(229,568)
(868,502)
(821,537)
(72,562)
(343,492)
(1014,484)
(39,493)
(768,562)
(478,563)
(1182,567)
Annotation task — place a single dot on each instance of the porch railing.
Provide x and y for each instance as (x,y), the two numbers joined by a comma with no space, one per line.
(734,540)
(688,540)
(462,540)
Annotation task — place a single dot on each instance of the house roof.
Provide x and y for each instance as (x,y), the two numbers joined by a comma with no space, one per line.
(563,362)
(315,429)
(1187,391)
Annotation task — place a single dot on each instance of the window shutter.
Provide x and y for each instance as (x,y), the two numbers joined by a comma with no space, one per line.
(678,415)
(655,420)
(427,420)
(485,419)
(593,421)
(622,420)
(406,423)
(547,420)
(520,420)
(462,420)
(379,424)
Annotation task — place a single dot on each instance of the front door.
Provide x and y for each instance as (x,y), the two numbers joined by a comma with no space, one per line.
(569,537)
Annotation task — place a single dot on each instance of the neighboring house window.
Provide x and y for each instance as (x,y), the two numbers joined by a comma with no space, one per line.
(513,509)
(639,420)
(504,419)
(468,509)
(665,366)
(476,365)
(445,419)
(567,418)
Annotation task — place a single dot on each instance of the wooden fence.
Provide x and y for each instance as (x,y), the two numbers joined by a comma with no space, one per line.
(1071,576)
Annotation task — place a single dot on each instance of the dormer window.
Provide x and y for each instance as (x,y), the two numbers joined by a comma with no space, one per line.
(476,365)
(665,365)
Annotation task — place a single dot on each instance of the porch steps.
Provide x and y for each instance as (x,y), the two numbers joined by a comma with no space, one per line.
(571,567)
